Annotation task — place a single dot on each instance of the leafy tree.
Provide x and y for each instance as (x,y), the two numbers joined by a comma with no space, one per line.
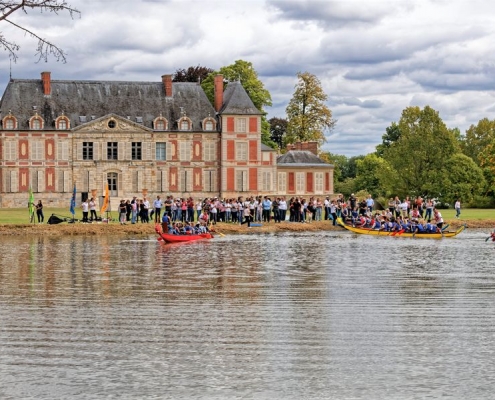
(45,47)
(278,127)
(464,179)
(307,115)
(391,136)
(244,72)
(420,154)
(477,138)
(192,74)
(375,176)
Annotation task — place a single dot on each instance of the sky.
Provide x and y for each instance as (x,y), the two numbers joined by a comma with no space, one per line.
(374,58)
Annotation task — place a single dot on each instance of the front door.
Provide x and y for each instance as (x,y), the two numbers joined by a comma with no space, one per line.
(113,179)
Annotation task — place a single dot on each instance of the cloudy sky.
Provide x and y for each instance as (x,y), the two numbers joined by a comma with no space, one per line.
(374,58)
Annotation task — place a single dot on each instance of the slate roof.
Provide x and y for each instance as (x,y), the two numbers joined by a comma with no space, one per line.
(303,158)
(237,102)
(98,98)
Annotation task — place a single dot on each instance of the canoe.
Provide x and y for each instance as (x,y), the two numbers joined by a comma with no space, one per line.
(169,238)
(368,231)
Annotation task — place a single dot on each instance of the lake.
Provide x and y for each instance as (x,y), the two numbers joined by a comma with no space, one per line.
(281,316)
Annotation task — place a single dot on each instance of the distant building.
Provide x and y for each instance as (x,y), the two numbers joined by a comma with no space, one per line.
(142,138)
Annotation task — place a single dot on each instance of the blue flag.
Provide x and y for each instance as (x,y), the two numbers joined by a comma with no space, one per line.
(73,201)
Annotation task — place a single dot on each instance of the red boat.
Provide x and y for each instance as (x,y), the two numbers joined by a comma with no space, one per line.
(170,238)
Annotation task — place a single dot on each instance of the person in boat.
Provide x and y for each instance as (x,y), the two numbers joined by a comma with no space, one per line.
(354,216)
(376,224)
(438,218)
(165,222)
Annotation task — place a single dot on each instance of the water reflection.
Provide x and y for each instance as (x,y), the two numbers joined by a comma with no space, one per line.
(327,315)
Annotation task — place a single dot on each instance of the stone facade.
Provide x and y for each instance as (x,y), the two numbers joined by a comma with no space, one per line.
(142,138)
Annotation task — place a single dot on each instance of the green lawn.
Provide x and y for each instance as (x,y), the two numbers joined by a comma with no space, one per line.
(21,215)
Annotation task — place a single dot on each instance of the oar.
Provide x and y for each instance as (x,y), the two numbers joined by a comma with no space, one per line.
(489,237)
(445,227)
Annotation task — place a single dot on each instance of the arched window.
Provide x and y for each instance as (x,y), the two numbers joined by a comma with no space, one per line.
(160,124)
(62,123)
(208,125)
(9,123)
(185,124)
(36,123)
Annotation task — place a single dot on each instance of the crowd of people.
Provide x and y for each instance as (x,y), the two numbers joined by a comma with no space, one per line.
(415,216)
(184,214)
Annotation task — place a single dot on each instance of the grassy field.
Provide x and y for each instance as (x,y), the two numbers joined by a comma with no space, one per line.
(21,216)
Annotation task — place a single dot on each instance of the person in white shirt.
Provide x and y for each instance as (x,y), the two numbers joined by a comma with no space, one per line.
(157,206)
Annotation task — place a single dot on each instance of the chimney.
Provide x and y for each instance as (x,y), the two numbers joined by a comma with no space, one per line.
(45,79)
(218,92)
(167,84)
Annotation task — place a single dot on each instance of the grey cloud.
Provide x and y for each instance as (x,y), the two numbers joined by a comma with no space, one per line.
(334,14)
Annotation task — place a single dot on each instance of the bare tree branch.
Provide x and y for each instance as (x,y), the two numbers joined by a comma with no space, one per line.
(45,48)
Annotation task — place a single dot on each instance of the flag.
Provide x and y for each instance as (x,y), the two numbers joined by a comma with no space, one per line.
(73,201)
(31,204)
(105,200)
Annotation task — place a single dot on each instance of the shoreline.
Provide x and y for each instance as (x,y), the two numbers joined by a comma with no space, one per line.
(114,228)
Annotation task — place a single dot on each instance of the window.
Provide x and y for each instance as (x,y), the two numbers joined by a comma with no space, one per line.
(160,125)
(62,124)
(241,125)
(209,151)
(184,124)
(241,151)
(87,151)
(161,151)
(185,151)
(319,182)
(209,126)
(267,181)
(112,150)
(136,151)
(38,150)
(282,182)
(241,181)
(209,179)
(36,124)
(299,182)
(10,151)
(9,123)
(112,124)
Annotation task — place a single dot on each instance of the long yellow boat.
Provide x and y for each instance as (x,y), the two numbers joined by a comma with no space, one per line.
(367,231)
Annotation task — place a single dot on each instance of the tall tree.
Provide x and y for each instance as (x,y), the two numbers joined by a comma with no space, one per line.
(278,127)
(477,138)
(192,74)
(307,115)
(465,179)
(392,134)
(375,176)
(419,156)
(244,72)
(45,47)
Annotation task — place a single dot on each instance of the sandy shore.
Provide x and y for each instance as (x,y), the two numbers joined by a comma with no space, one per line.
(114,228)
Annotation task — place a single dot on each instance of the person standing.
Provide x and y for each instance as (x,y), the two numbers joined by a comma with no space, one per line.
(122,212)
(134,210)
(39,212)
(247,216)
(370,203)
(457,207)
(85,210)
(157,205)
(92,210)
(267,206)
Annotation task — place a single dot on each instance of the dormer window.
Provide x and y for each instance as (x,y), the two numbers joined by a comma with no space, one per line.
(62,123)
(160,124)
(36,123)
(185,124)
(9,122)
(209,124)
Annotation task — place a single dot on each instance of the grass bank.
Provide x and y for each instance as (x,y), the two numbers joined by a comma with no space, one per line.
(16,222)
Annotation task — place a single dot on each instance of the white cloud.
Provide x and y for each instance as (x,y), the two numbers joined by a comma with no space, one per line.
(374,58)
